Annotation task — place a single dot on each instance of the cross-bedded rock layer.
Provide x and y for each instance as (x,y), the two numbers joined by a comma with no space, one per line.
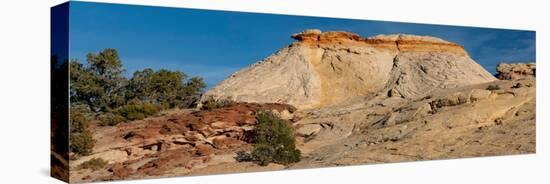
(333,68)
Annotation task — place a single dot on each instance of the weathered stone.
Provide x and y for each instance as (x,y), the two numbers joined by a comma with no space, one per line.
(309,129)
(516,71)
(120,171)
(221,125)
(331,68)
(479,94)
(223,142)
(204,149)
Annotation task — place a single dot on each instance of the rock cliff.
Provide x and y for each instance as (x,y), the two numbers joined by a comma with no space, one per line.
(332,68)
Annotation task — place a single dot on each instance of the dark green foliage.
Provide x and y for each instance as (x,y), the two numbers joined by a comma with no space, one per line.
(106,63)
(85,87)
(493,87)
(81,140)
(111,119)
(165,88)
(101,88)
(210,103)
(274,140)
(243,156)
(194,85)
(82,143)
(137,110)
(100,84)
(93,164)
(78,121)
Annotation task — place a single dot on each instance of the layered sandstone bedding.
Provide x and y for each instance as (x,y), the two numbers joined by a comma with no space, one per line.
(331,68)
(351,100)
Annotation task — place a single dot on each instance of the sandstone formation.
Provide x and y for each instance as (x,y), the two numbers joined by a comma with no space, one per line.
(176,141)
(516,71)
(387,98)
(332,68)
(469,121)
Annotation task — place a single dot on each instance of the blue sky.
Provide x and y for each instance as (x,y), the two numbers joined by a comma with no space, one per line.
(214,44)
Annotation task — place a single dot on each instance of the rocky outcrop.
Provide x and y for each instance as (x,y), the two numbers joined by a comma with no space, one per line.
(183,139)
(516,71)
(470,121)
(332,68)
(387,98)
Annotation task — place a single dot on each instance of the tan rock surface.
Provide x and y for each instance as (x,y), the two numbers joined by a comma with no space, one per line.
(454,123)
(516,71)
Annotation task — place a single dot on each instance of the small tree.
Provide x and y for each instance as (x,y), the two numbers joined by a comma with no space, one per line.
(100,83)
(274,140)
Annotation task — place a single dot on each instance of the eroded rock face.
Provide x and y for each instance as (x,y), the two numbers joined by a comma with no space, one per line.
(178,141)
(516,71)
(331,68)
(470,121)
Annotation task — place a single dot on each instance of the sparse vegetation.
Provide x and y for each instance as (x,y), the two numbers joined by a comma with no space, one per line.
(137,110)
(82,143)
(493,87)
(102,89)
(93,164)
(210,103)
(273,140)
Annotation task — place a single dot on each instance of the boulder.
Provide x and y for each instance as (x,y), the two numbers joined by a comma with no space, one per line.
(204,149)
(120,171)
(309,129)
(516,71)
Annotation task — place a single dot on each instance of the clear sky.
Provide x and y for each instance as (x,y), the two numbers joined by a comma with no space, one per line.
(214,44)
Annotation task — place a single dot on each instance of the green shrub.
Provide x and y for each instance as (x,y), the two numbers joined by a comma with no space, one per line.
(210,103)
(80,140)
(273,140)
(78,121)
(111,119)
(93,164)
(493,87)
(137,110)
(82,143)
(243,156)
(263,154)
